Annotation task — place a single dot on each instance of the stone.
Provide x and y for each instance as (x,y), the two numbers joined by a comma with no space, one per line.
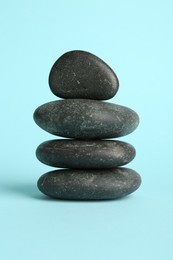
(86,119)
(80,74)
(65,153)
(88,184)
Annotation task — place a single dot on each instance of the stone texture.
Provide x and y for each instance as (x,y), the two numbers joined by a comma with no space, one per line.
(80,74)
(86,119)
(89,184)
(65,153)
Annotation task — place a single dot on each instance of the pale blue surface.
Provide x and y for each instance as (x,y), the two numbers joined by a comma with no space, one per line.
(135,38)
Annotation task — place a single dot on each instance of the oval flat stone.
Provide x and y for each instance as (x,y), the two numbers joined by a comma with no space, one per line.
(80,74)
(65,153)
(86,119)
(89,184)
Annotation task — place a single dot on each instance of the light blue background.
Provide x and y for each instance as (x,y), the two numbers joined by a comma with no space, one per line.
(135,38)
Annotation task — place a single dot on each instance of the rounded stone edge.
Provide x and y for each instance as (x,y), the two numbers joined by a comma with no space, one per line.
(129,146)
(52,103)
(138,184)
(89,53)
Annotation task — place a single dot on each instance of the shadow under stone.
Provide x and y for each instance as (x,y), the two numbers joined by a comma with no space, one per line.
(30,190)
(21,189)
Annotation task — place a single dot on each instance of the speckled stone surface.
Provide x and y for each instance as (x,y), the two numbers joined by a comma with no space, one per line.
(67,153)
(89,184)
(80,74)
(86,119)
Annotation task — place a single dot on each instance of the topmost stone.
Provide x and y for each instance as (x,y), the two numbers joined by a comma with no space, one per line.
(80,74)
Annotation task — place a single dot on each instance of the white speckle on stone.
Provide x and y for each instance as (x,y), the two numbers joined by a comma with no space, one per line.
(118,118)
(78,82)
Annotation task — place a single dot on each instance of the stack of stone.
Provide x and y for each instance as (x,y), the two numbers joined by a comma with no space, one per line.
(92,165)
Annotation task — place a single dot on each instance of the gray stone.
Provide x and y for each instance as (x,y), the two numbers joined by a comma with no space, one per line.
(65,153)
(80,74)
(89,184)
(86,119)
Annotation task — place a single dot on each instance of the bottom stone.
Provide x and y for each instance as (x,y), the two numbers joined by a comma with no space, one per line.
(89,184)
